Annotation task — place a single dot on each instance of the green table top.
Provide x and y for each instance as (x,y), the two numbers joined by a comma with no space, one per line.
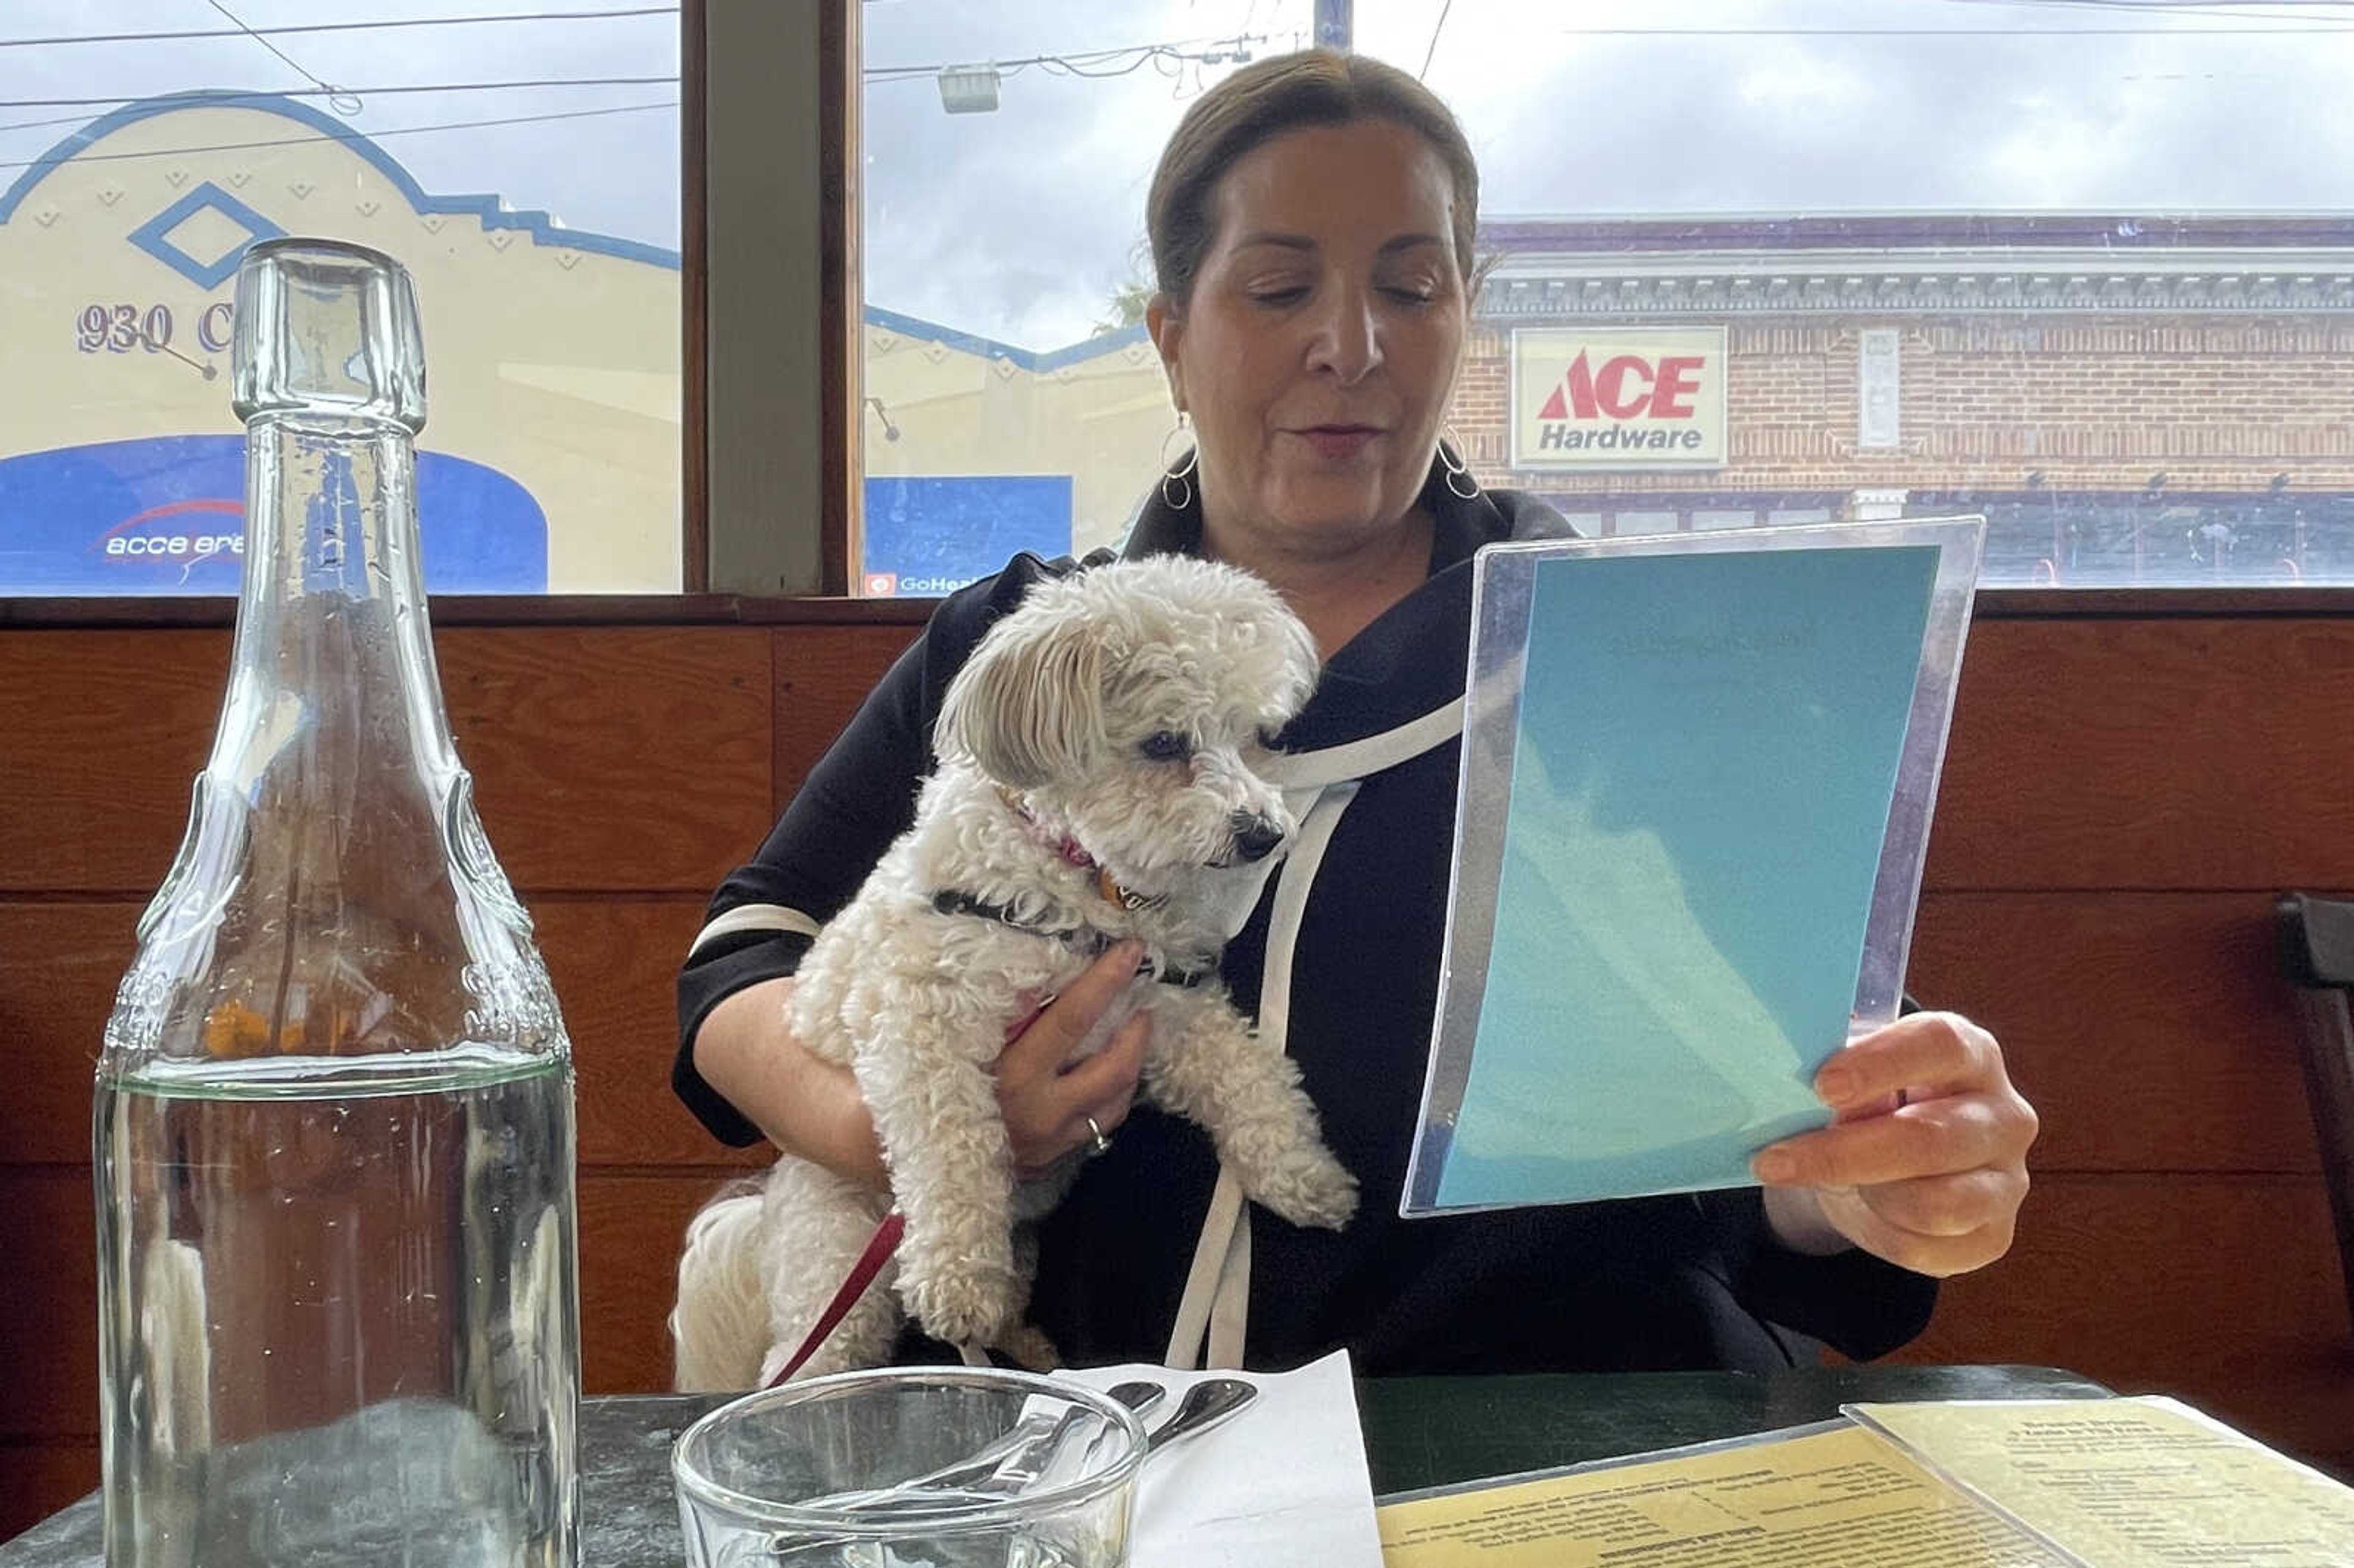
(1432,1431)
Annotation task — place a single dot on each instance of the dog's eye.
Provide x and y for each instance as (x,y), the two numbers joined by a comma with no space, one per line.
(1166,746)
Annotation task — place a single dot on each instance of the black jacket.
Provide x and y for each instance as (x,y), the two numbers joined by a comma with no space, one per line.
(1657,1283)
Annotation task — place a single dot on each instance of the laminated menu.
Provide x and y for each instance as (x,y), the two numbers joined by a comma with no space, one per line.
(2129,1483)
(1695,794)
(2052,1483)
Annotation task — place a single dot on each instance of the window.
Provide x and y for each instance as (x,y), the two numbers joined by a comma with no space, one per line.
(525,171)
(1011,398)
(1997,304)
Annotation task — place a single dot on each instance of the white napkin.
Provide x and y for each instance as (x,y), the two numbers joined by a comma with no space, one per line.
(1283,1482)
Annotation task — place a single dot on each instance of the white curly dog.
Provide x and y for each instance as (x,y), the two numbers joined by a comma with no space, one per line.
(1094,782)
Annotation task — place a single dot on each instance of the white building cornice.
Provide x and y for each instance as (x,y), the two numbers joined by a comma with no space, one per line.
(1535,286)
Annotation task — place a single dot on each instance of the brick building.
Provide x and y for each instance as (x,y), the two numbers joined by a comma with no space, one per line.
(2125,398)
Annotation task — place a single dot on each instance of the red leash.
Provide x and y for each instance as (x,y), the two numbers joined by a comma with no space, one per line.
(879,1248)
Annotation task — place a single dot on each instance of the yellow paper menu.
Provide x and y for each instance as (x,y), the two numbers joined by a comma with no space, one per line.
(2131,1483)
(1835,1497)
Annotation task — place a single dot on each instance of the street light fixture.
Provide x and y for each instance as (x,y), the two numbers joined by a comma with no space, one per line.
(968,89)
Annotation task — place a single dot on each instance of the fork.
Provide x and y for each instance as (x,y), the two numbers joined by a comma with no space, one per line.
(1207,1403)
(1008,1464)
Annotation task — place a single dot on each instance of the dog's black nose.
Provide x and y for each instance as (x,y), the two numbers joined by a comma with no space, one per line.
(1256,837)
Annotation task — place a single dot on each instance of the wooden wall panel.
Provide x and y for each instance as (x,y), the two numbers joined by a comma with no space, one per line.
(48,1311)
(623,758)
(627,759)
(59,964)
(2221,1290)
(101,737)
(2155,754)
(612,960)
(2152,1029)
(823,672)
(38,1478)
(630,1230)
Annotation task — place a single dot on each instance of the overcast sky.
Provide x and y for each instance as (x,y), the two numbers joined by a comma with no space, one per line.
(1019,224)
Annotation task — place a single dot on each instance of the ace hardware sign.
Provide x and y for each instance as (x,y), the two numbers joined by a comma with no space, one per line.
(1618,397)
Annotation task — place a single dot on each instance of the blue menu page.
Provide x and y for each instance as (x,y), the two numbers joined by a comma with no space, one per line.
(1706,755)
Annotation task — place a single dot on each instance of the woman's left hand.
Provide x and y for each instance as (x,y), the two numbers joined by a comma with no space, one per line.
(1926,1164)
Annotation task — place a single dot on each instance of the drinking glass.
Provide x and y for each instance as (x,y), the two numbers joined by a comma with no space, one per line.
(827,1474)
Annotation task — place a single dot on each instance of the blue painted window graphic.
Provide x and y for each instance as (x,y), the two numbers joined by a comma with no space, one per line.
(154,236)
(166,516)
(929,535)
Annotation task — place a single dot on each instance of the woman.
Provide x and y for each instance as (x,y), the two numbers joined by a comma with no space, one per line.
(1311,223)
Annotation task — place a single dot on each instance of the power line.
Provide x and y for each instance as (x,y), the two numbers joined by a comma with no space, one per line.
(274,50)
(1437,27)
(324,90)
(335,26)
(353,135)
(1081,63)
(37,124)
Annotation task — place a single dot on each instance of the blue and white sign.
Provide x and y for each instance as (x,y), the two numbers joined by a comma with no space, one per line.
(929,535)
(166,516)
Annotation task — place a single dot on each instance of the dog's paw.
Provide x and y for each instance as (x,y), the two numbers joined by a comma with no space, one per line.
(961,1307)
(1314,1189)
(1030,1348)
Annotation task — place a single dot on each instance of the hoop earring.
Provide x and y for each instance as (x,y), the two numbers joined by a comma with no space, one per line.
(1176,486)
(1460,481)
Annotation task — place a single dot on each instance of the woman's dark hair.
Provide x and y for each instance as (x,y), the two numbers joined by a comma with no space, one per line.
(1260,102)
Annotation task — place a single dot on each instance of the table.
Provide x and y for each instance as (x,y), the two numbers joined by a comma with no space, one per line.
(1419,1432)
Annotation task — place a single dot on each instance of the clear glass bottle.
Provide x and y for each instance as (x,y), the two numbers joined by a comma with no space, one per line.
(334,1128)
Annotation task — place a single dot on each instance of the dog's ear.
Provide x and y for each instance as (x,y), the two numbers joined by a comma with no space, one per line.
(1278,657)
(1027,707)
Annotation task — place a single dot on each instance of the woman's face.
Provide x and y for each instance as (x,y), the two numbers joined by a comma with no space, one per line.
(1321,340)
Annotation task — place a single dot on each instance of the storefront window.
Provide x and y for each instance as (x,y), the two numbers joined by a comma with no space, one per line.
(1995,303)
(1011,398)
(524,170)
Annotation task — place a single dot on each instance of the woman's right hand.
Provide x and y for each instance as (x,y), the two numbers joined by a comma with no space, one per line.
(1046,1096)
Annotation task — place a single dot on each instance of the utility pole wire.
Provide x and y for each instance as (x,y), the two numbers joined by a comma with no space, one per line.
(334,98)
(1437,27)
(353,135)
(176,36)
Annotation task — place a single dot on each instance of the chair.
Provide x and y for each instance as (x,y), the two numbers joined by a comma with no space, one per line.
(2316,943)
